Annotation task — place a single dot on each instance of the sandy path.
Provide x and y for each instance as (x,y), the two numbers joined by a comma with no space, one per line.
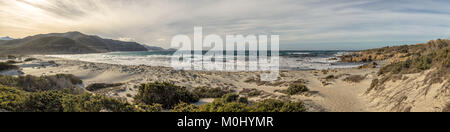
(341,96)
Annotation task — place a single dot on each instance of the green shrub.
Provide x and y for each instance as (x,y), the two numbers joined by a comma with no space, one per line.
(29,59)
(11,57)
(251,92)
(91,103)
(220,106)
(272,105)
(354,78)
(204,92)
(44,83)
(166,94)
(15,100)
(230,98)
(149,108)
(296,89)
(7,66)
(330,77)
(72,78)
(243,100)
(50,101)
(98,86)
(446,108)
(184,107)
(254,93)
(12,62)
(419,63)
(11,99)
(443,57)
(229,103)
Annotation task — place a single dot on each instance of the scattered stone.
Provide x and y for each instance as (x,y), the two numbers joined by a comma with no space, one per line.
(371,65)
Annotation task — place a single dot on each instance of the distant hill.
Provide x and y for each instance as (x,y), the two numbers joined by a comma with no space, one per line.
(153,48)
(6,38)
(68,43)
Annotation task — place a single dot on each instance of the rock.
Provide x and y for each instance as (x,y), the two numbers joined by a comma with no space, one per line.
(371,65)
(334,58)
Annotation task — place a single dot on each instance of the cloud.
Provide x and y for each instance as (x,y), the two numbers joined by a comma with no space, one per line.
(299,22)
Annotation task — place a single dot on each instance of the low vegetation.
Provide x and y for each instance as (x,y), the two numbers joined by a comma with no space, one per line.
(164,93)
(396,53)
(44,83)
(184,107)
(295,89)
(251,92)
(12,62)
(15,100)
(354,78)
(254,93)
(233,103)
(152,97)
(433,56)
(447,108)
(205,92)
(99,86)
(29,59)
(272,105)
(370,65)
(419,63)
(7,66)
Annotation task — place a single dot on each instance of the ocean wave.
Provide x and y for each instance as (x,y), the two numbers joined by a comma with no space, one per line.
(321,61)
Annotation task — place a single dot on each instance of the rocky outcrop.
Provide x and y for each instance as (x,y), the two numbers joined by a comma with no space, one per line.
(395,53)
(370,65)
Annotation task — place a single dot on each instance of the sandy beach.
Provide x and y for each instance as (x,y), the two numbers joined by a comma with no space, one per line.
(326,94)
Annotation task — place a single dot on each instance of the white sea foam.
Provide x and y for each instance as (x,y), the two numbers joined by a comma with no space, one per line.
(286,62)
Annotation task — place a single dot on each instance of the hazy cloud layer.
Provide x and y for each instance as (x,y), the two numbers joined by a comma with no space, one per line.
(302,24)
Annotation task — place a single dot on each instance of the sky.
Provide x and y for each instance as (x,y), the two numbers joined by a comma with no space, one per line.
(301,24)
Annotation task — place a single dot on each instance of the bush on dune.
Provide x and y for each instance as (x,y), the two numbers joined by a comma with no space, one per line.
(12,62)
(419,63)
(354,78)
(166,94)
(6,66)
(296,89)
(272,105)
(15,100)
(184,107)
(29,59)
(205,92)
(220,106)
(98,86)
(11,99)
(234,103)
(43,83)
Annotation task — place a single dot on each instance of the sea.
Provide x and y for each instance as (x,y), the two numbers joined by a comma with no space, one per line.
(289,60)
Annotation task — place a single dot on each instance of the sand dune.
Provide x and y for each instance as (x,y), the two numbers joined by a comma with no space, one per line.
(337,95)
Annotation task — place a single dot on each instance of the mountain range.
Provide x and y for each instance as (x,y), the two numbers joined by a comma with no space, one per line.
(68,43)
